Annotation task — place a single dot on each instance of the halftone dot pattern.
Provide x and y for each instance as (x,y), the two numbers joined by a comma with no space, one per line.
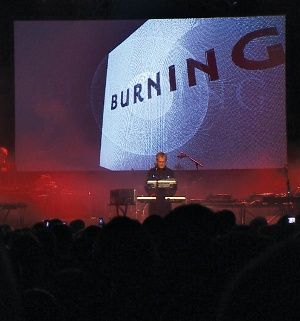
(236,121)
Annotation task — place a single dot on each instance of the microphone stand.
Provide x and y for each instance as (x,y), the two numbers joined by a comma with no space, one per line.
(288,185)
(196,162)
(290,198)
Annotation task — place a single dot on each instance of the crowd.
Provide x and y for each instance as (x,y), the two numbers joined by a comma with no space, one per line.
(193,264)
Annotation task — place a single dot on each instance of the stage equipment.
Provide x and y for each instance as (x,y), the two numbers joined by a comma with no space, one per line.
(7,207)
(220,198)
(171,199)
(121,198)
(146,200)
(276,205)
(162,183)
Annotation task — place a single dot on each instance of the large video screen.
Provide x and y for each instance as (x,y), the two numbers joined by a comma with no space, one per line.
(109,95)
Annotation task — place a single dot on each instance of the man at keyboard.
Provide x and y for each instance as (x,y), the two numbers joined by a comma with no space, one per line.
(160,183)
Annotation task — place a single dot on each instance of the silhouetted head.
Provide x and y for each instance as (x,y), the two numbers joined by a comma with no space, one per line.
(77,225)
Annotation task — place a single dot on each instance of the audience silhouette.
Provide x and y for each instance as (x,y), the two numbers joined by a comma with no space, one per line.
(193,264)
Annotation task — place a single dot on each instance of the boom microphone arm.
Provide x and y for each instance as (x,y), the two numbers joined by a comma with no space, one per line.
(196,162)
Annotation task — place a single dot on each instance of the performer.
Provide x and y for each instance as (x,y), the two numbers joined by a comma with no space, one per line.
(160,172)
(5,175)
(3,159)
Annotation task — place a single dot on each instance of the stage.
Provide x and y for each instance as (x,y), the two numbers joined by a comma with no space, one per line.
(28,197)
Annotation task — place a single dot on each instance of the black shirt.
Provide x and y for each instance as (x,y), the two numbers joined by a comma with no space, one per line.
(160,206)
(156,174)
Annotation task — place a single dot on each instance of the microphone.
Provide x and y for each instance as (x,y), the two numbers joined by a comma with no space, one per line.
(181,155)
